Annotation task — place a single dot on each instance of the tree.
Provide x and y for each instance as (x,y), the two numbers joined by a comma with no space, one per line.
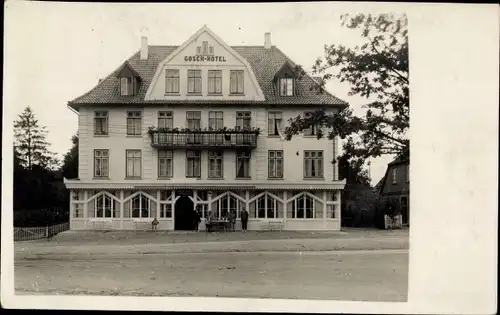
(376,70)
(70,162)
(31,145)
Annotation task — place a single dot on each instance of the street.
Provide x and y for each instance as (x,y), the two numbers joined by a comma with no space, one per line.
(270,269)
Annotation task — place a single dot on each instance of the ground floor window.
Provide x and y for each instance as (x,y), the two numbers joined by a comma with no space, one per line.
(78,210)
(140,206)
(166,210)
(302,207)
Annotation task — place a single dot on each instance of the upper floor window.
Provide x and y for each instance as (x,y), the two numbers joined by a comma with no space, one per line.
(134,122)
(243,120)
(243,164)
(286,86)
(165,120)
(394,175)
(193,164)
(194,81)
(193,120)
(214,81)
(215,164)
(165,163)
(407,173)
(101,123)
(274,123)
(275,164)
(236,82)
(172,81)
(215,120)
(134,163)
(312,130)
(313,164)
(127,86)
(101,163)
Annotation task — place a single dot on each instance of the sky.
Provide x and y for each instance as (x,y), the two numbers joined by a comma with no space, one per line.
(56,52)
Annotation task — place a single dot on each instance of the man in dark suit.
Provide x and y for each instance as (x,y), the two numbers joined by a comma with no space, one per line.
(244,218)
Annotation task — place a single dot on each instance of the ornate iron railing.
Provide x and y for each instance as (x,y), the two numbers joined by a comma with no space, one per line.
(203,139)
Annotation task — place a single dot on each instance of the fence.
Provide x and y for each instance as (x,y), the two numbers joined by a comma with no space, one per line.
(36,233)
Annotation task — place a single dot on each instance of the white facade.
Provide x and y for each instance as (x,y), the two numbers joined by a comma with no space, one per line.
(120,190)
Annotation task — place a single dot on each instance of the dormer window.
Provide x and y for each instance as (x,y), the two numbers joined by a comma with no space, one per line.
(127,86)
(286,86)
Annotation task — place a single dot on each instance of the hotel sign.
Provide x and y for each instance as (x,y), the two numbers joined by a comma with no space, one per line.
(205,53)
(205,58)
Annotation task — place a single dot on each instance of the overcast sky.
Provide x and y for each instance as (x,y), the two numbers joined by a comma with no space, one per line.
(56,52)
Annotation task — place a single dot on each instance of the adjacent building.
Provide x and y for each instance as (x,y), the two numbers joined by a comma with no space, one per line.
(201,124)
(396,185)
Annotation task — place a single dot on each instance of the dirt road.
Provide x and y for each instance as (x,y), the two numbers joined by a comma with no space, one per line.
(380,275)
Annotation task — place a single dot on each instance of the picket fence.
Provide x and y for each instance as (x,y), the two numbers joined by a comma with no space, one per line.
(36,233)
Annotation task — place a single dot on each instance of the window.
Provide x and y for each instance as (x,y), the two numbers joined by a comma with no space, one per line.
(165,163)
(133,167)
(313,164)
(101,163)
(165,120)
(194,81)
(311,131)
(236,82)
(243,164)
(243,120)
(134,123)
(171,81)
(274,123)
(394,175)
(303,207)
(215,120)
(286,87)
(407,173)
(166,210)
(214,82)
(275,164)
(141,207)
(100,123)
(104,206)
(78,210)
(193,164)
(193,120)
(267,207)
(127,86)
(215,164)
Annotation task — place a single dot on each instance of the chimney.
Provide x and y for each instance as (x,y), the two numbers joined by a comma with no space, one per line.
(144,48)
(267,40)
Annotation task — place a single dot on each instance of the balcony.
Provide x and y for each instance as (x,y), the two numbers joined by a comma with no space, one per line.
(203,139)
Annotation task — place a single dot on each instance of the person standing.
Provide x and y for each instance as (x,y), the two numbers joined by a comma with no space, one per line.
(232,220)
(197,218)
(244,219)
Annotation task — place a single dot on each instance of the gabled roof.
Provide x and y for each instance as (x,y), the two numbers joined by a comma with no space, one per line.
(127,67)
(285,68)
(264,62)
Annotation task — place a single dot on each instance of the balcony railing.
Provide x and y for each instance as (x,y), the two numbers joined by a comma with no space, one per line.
(203,139)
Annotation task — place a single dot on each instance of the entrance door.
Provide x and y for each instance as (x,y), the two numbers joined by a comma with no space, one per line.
(405,210)
(184,214)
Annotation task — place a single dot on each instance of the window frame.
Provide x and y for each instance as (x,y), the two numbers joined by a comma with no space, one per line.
(284,86)
(172,77)
(134,159)
(215,122)
(216,76)
(101,116)
(215,155)
(166,155)
(166,116)
(245,155)
(275,159)
(132,129)
(101,158)
(269,119)
(196,76)
(129,84)
(196,157)
(196,117)
(394,175)
(312,131)
(243,118)
(239,76)
(319,161)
